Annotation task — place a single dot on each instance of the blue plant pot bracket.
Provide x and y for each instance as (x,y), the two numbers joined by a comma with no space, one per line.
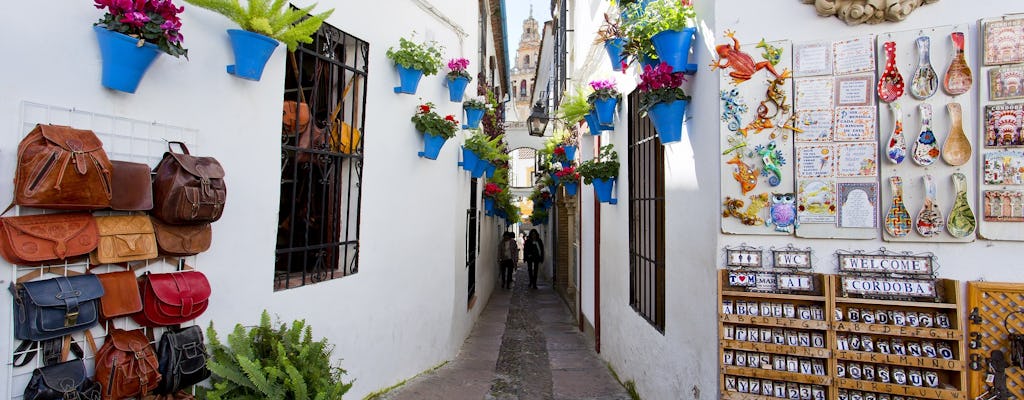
(673,47)
(432,146)
(410,79)
(603,190)
(252,51)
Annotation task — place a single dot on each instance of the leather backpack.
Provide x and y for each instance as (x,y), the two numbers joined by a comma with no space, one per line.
(126,365)
(182,240)
(182,356)
(44,238)
(124,238)
(61,167)
(172,298)
(132,186)
(55,307)
(120,294)
(67,380)
(188,189)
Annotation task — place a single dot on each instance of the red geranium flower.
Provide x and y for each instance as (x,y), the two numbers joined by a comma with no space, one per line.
(424,108)
(559,151)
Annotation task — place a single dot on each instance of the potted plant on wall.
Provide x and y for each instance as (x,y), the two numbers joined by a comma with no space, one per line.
(435,129)
(569,178)
(458,78)
(131,35)
(663,99)
(539,216)
(604,99)
(601,171)
(637,27)
(675,23)
(475,109)
(610,35)
(414,60)
(491,192)
(263,24)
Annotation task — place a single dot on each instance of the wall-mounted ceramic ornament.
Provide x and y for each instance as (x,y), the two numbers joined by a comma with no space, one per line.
(896,150)
(956,151)
(855,12)
(890,84)
(897,220)
(926,149)
(961,218)
(929,220)
(925,81)
(958,76)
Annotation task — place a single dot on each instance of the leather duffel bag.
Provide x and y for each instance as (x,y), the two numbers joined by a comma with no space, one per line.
(182,240)
(188,189)
(120,294)
(67,380)
(61,167)
(124,238)
(182,356)
(55,307)
(126,365)
(132,186)
(44,238)
(172,298)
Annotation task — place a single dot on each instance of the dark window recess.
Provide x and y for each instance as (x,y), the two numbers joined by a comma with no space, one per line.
(472,239)
(646,218)
(322,162)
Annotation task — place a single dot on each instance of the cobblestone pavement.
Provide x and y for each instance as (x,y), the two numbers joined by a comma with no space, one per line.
(525,345)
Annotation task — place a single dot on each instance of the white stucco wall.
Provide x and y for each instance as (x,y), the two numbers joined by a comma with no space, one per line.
(405,311)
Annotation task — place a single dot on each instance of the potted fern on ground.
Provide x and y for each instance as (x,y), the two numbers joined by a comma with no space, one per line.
(414,60)
(263,24)
(274,363)
(601,172)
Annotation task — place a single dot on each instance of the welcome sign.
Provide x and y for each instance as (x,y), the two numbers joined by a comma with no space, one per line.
(886,264)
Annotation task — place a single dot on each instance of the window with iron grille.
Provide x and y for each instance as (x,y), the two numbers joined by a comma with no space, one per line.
(646,218)
(321,160)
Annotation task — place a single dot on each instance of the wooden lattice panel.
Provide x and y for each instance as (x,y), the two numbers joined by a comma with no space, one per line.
(994,301)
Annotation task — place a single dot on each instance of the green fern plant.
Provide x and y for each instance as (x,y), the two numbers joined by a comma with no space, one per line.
(282,363)
(274,19)
(574,106)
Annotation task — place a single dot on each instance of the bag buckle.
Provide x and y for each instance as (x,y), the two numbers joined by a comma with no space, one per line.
(70,319)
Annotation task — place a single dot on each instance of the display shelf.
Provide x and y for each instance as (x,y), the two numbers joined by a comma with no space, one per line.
(907,331)
(799,351)
(774,296)
(900,390)
(773,321)
(785,376)
(895,359)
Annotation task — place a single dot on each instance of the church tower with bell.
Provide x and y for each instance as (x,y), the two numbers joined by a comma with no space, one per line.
(525,70)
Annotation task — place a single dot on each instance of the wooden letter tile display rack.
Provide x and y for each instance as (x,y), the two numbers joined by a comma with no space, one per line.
(774,346)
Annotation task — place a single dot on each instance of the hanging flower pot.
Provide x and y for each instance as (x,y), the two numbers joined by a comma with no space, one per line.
(480,169)
(648,61)
(124,62)
(490,170)
(410,78)
(673,47)
(489,206)
(553,187)
(614,49)
(605,111)
(571,188)
(469,160)
(570,153)
(668,120)
(473,117)
(432,145)
(457,88)
(252,51)
(603,190)
(595,127)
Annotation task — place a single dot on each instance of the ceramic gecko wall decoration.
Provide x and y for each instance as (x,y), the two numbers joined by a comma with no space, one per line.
(742,64)
(732,107)
(782,213)
(771,53)
(773,161)
(773,105)
(744,174)
(752,215)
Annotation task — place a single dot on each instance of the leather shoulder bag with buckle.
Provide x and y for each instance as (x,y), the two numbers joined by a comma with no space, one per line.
(182,240)
(188,189)
(124,238)
(67,380)
(172,298)
(132,186)
(126,365)
(62,167)
(55,307)
(120,294)
(40,239)
(182,356)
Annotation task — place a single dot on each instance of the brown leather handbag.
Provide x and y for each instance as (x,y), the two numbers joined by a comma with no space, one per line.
(132,187)
(188,189)
(126,365)
(120,294)
(61,167)
(182,240)
(40,239)
(124,238)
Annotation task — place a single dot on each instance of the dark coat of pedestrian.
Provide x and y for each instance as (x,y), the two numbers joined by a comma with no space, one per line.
(533,254)
(508,257)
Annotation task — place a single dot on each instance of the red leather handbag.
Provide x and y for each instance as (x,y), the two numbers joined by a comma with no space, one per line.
(172,299)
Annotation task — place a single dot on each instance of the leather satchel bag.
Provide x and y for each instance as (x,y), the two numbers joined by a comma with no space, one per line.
(67,380)
(182,240)
(132,186)
(182,356)
(62,167)
(188,189)
(173,298)
(124,238)
(126,365)
(40,239)
(120,294)
(55,307)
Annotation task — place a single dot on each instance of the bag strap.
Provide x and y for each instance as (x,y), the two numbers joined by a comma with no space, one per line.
(298,82)
(184,149)
(54,351)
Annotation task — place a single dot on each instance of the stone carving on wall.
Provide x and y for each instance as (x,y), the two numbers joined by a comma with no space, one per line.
(855,12)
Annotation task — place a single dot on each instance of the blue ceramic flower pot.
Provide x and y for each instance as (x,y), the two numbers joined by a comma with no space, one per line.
(432,146)
(252,51)
(605,110)
(603,190)
(480,169)
(124,62)
(473,117)
(552,188)
(648,61)
(457,88)
(570,153)
(595,127)
(668,120)
(614,49)
(673,47)
(490,170)
(571,188)
(469,159)
(489,205)
(410,78)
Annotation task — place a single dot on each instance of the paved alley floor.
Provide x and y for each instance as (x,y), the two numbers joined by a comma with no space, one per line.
(525,345)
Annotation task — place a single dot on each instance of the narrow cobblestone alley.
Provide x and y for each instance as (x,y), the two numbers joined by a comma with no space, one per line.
(524,346)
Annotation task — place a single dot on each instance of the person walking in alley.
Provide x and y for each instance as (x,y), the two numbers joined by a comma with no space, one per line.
(533,254)
(508,256)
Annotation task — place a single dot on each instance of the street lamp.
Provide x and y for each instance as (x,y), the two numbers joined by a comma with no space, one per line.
(538,119)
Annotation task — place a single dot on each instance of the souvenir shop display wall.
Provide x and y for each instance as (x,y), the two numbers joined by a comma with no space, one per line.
(1001,111)
(143,222)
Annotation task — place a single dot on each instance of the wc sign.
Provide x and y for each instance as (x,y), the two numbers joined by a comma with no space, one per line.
(800,259)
